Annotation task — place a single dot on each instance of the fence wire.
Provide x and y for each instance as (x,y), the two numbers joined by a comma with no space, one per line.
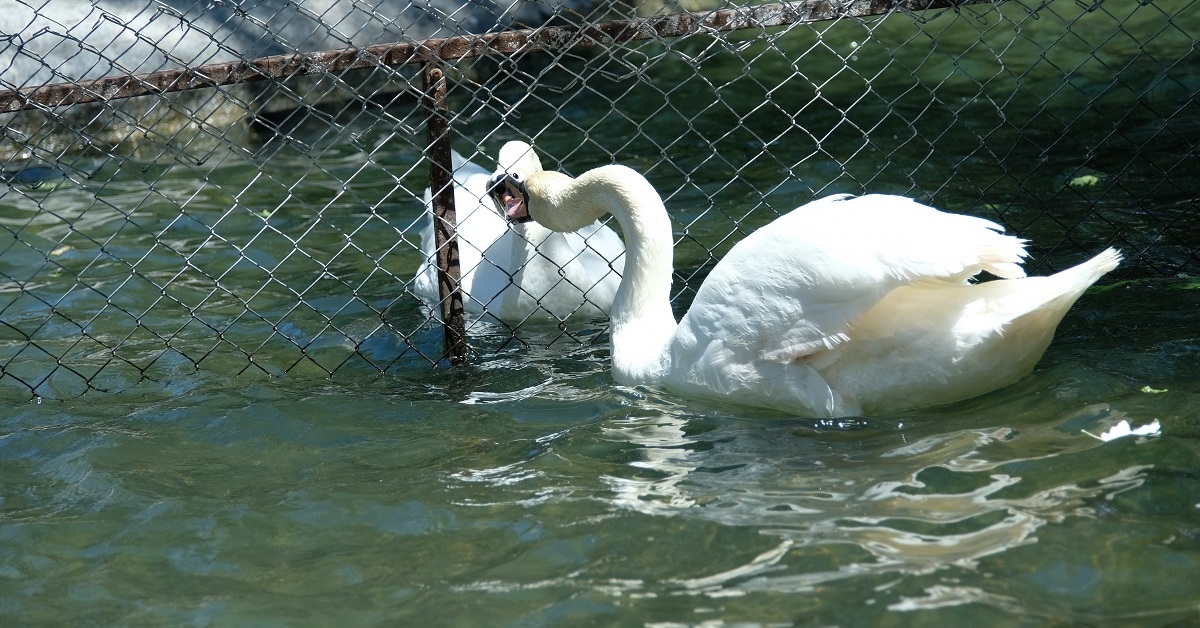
(271,218)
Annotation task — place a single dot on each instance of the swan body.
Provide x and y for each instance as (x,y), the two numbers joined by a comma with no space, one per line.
(846,306)
(519,273)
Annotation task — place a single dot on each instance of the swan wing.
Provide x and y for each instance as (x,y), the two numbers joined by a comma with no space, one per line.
(793,290)
(567,273)
(594,256)
(595,265)
(603,246)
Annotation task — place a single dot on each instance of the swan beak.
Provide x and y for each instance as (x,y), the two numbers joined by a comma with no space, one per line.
(511,197)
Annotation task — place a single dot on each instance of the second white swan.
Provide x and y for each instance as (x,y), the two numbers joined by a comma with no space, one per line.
(846,306)
(524,272)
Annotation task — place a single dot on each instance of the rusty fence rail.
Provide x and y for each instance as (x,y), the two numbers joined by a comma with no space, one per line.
(506,43)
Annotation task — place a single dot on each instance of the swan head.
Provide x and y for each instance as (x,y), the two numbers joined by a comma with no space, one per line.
(514,165)
(524,192)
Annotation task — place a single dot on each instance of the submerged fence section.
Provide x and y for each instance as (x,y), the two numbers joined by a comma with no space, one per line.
(243,187)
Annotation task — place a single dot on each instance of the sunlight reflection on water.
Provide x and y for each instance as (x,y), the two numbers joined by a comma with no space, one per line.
(881,517)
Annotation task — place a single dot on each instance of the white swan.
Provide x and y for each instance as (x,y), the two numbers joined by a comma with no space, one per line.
(845,306)
(522,273)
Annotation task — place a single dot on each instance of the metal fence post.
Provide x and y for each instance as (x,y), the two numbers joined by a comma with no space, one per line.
(444,220)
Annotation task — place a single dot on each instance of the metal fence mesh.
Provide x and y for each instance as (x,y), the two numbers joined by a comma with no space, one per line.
(272,227)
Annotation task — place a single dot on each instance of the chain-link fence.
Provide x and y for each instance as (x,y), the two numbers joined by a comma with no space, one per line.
(226,185)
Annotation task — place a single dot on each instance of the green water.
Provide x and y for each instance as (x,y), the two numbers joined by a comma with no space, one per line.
(526,489)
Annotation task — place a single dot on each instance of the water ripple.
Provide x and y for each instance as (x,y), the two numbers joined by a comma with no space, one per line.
(952,498)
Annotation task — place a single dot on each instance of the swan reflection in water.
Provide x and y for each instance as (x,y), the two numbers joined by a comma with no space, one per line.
(889,504)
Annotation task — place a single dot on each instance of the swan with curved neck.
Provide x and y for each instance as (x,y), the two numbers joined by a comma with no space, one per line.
(845,306)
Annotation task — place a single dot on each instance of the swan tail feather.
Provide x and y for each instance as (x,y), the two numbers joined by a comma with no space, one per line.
(1004,257)
(1053,295)
(1093,269)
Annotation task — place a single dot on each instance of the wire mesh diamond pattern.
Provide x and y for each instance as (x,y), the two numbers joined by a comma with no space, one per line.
(275,224)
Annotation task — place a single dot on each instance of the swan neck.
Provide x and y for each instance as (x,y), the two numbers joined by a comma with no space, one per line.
(642,323)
